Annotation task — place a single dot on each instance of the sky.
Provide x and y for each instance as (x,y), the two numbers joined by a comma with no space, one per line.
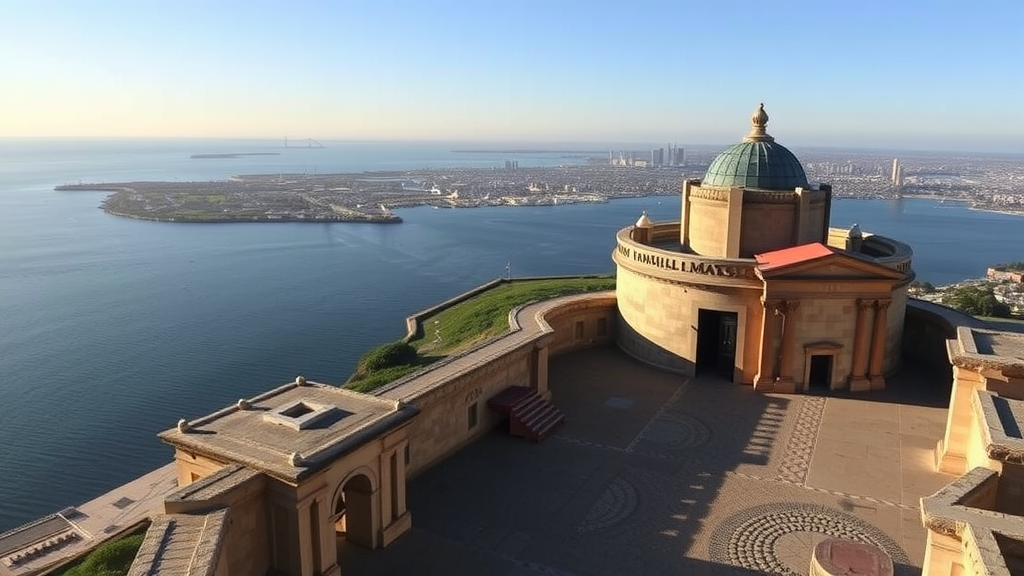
(922,74)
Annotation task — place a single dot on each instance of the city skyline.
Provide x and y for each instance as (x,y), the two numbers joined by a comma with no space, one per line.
(917,75)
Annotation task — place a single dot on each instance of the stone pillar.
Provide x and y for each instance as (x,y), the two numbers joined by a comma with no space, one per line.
(684,224)
(540,367)
(317,552)
(765,378)
(876,377)
(951,452)
(735,223)
(785,382)
(858,381)
(803,215)
(395,517)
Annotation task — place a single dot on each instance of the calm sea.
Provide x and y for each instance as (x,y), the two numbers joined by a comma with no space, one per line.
(111,329)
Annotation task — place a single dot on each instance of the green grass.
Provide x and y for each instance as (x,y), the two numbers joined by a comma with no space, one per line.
(112,558)
(486,315)
(461,327)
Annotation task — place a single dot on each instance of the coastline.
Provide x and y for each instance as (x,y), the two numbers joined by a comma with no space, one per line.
(266,219)
(971,204)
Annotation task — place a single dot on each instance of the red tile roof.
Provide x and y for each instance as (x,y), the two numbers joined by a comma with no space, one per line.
(794,255)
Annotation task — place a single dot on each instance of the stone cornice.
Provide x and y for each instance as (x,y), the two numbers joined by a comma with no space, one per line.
(965,502)
(990,409)
(963,353)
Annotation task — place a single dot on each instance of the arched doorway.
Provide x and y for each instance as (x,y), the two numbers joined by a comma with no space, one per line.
(353,511)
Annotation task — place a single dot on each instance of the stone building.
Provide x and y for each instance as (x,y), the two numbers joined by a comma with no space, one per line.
(752,283)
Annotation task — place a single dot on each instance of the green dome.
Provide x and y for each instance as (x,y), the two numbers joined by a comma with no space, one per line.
(757,162)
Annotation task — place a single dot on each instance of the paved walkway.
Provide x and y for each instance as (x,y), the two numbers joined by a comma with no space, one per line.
(75,530)
(653,474)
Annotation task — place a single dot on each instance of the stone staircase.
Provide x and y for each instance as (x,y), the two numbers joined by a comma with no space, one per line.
(530,416)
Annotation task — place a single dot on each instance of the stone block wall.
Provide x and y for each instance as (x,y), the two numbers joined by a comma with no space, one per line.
(454,393)
(767,227)
(659,322)
(825,320)
(246,547)
(443,425)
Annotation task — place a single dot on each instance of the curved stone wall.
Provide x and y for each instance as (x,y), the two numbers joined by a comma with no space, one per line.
(661,292)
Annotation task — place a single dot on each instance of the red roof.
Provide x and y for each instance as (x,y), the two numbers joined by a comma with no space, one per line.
(794,255)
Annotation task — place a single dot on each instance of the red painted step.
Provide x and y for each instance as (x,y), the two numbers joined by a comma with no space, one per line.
(530,416)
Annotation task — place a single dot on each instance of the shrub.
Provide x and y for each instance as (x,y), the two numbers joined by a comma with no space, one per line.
(387,356)
(112,558)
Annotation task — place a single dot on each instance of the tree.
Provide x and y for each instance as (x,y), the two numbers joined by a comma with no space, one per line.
(923,287)
(976,301)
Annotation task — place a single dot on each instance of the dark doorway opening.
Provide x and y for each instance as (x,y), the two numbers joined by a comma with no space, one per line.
(353,512)
(716,343)
(820,376)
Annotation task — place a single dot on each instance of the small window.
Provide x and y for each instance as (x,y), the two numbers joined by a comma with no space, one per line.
(408,457)
(471,415)
(579,330)
(602,326)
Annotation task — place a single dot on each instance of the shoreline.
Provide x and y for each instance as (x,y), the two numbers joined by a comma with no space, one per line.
(970,204)
(264,220)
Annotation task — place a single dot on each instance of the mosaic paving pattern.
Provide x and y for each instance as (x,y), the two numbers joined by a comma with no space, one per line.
(778,538)
(797,459)
(616,504)
(670,435)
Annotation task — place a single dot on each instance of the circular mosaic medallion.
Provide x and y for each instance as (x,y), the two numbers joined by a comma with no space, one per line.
(672,436)
(779,538)
(616,504)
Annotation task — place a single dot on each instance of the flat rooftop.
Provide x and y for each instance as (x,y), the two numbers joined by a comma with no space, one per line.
(290,431)
(654,473)
(1005,344)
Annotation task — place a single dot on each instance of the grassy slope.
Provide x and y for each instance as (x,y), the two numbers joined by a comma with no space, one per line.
(476,320)
(111,558)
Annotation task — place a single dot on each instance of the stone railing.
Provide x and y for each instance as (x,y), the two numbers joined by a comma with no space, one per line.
(885,251)
(675,266)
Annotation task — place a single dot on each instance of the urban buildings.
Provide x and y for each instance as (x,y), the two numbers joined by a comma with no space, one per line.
(750,286)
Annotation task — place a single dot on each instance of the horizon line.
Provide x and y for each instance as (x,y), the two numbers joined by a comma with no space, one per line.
(539,144)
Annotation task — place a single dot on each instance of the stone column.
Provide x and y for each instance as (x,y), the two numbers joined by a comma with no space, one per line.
(313,557)
(878,345)
(734,224)
(684,224)
(785,381)
(765,378)
(858,375)
(540,367)
(396,519)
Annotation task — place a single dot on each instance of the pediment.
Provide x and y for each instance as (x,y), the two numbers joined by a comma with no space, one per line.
(834,266)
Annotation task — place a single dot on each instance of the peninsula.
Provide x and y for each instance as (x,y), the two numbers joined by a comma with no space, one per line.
(985,183)
(371,196)
(232,155)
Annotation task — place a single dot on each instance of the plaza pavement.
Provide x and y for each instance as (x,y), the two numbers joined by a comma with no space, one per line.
(654,473)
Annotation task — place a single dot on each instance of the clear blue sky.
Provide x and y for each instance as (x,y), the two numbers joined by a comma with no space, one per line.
(879,73)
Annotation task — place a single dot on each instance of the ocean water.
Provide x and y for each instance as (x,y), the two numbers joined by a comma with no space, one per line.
(111,329)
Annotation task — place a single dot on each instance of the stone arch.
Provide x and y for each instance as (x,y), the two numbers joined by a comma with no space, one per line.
(353,508)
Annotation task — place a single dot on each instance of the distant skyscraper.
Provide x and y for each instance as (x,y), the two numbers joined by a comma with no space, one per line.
(658,157)
(897,174)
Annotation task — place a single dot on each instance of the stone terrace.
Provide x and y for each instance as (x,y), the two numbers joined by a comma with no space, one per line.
(657,474)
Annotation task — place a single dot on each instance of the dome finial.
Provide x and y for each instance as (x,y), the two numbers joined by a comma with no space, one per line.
(758,125)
